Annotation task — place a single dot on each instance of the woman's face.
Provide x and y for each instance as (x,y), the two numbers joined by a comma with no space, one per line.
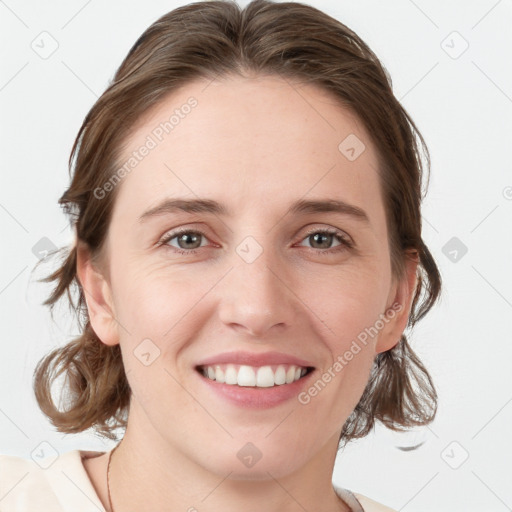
(252,276)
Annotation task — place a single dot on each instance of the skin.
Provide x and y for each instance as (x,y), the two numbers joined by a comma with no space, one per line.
(255,144)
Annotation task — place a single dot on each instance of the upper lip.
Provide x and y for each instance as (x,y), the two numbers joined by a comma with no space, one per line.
(254,359)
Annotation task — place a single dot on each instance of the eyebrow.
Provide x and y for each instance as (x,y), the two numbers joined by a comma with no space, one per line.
(300,207)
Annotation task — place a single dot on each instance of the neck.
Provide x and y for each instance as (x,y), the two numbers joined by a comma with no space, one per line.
(147,473)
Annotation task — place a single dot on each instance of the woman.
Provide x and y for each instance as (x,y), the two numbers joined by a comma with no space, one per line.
(269,140)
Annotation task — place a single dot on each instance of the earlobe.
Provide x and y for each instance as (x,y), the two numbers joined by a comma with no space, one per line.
(98,297)
(400,306)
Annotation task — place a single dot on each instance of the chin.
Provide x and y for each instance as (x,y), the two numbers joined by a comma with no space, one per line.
(252,464)
(259,472)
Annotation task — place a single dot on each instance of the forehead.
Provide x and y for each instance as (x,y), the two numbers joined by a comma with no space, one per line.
(248,140)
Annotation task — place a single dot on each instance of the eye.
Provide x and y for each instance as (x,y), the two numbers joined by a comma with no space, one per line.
(322,239)
(187,241)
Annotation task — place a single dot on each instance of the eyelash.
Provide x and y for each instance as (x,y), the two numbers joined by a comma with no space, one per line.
(345,243)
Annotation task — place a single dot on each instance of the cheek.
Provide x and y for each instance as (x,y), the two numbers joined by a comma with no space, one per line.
(348,300)
(161,313)
(346,317)
(151,300)
(154,299)
(156,307)
(350,306)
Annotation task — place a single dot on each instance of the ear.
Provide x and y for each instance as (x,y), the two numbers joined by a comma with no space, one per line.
(98,296)
(399,305)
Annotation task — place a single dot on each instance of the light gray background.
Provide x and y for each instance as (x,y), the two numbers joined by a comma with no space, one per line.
(461,102)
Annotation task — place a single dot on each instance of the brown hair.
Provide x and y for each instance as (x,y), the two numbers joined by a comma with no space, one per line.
(207,40)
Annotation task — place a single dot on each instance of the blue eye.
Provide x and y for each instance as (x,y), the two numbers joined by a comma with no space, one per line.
(329,235)
(188,240)
(183,237)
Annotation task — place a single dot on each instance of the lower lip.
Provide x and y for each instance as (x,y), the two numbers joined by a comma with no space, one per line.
(253,397)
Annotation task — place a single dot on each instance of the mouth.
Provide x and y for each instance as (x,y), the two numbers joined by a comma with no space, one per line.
(267,376)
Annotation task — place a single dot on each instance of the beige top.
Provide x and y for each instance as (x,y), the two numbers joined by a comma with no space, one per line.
(63,485)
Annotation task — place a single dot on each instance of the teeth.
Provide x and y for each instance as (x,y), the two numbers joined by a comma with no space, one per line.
(249,376)
(280,375)
(219,374)
(265,377)
(231,375)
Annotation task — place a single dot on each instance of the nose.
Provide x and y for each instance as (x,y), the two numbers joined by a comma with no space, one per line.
(256,298)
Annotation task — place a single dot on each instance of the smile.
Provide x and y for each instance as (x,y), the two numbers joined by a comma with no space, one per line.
(254,376)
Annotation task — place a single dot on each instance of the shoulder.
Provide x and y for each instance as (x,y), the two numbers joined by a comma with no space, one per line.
(370,505)
(58,482)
